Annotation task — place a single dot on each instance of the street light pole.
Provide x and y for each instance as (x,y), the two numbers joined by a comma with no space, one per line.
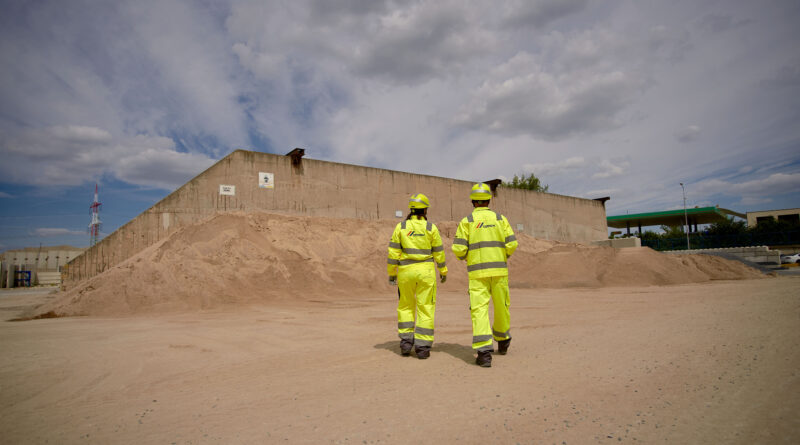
(685,216)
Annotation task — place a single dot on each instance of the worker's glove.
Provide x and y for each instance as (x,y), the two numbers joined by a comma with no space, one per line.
(393,280)
(443,278)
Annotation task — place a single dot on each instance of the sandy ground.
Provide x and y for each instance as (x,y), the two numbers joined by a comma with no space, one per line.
(714,362)
(238,259)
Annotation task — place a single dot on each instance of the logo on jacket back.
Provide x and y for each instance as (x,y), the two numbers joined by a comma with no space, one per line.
(484,226)
(414,233)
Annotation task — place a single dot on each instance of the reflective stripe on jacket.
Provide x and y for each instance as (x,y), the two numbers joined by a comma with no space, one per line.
(415,241)
(485,240)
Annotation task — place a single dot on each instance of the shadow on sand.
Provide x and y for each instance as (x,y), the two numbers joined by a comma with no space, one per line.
(461,352)
(458,351)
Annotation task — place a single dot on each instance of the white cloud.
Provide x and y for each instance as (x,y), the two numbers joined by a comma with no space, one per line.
(754,200)
(610,170)
(409,43)
(263,65)
(578,84)
(193,62)
(429,39)
(5,195)
(153,162)
(55,231)
(600,192)
(753,190)
(786,76)
(555,168)
(719,23)
(541,13)
(71,155)
(575,91)
(688,134)
(63,155)
(80,134)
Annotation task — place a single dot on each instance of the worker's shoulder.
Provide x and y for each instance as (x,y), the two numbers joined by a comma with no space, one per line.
(484,213)
(416,224)
(497,215)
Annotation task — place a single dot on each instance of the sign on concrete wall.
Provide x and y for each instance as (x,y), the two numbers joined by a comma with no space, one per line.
(229,190)
(266,180)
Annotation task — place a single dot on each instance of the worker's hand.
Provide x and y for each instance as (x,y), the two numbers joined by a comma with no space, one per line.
(393,280)
(443,278)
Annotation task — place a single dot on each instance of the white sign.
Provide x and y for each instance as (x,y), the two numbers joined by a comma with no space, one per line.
(229,190)
(398,213)
(266,180)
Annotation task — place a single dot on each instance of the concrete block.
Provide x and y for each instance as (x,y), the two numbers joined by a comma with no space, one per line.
(49,278)
(756,254)
(619,243)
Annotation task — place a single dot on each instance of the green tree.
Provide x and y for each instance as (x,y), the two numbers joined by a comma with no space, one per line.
(672,232)
(774,226)
(650,235)
(527,182)
(726,227)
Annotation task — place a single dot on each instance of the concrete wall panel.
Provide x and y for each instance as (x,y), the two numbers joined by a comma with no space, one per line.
(320,188)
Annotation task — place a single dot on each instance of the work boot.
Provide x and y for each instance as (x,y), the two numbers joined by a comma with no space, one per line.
(484,359)
(406,347)
(423,352)
(502,346)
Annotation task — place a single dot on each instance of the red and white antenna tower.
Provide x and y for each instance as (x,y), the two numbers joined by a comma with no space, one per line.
(94,226)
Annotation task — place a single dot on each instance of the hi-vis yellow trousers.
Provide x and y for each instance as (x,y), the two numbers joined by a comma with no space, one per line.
(417,285)
(481,290)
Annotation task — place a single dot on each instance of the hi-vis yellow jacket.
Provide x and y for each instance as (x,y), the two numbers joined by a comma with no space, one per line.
(485,240)
(415,242)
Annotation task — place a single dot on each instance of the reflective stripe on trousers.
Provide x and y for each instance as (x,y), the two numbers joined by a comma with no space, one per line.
(417,288)
(481,291)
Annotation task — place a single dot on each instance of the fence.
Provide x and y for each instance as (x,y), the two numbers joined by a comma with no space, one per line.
(733,240)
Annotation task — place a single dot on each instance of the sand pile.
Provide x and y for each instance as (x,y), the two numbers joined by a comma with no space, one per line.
(256,258)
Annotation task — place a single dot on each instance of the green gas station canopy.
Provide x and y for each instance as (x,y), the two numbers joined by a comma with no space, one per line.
(696,215)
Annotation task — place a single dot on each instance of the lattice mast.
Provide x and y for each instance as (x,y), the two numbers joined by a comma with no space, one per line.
(94,226)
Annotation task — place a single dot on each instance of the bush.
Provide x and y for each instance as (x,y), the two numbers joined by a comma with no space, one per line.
(725,233)
(530,182)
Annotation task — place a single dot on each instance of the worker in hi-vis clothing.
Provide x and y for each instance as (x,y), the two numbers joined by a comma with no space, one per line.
(485,240)
(415,251)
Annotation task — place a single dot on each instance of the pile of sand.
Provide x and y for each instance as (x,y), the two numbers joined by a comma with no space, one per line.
(256,258)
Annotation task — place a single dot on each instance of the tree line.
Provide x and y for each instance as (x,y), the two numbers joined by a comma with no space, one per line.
(725,233)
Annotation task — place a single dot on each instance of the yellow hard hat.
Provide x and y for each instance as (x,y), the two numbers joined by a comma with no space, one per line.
(418,201)
(480,192)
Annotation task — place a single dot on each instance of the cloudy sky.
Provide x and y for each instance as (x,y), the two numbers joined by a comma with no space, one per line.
(597,98)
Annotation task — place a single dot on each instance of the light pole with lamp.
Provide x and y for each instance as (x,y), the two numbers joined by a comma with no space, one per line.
(685,216)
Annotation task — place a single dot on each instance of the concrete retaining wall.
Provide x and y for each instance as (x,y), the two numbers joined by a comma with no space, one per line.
(755,254)
(47,258)
(48,278)
(38,261)
(8,276)
(320,188)
(619,243)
